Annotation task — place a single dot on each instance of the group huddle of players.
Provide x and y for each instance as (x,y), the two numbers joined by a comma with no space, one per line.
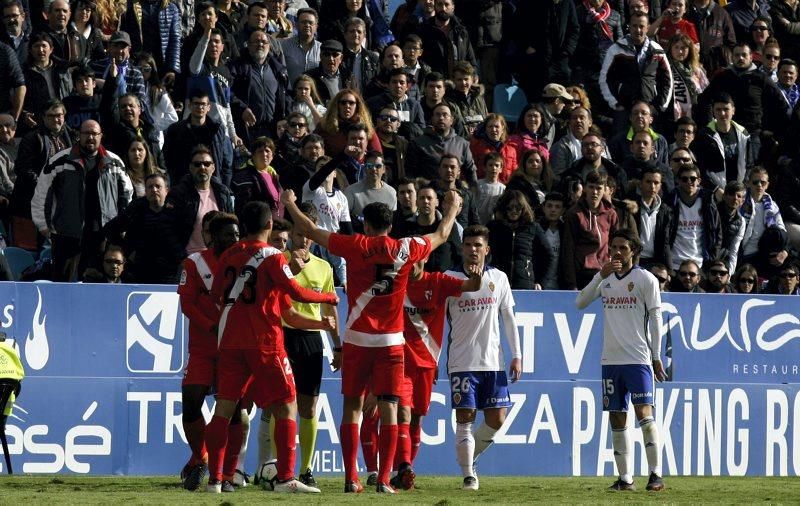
(255,313)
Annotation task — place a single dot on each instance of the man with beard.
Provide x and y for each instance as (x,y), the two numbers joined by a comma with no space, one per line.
(424,152)
(653,219)
(641,119)
(446,39)
(16,34)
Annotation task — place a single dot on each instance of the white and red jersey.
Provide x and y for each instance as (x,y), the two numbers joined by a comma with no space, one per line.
(425,306)
(377,272)
(249,285)
(196,303)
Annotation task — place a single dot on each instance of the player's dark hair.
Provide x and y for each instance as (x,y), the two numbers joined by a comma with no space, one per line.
(379,216)
(220,221)
(476,231)
(309,210)
(209,216)
(629,235)
(256,216)
(281,225)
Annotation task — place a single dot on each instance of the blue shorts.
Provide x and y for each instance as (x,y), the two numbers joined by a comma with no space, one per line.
(627,383)
(479,390)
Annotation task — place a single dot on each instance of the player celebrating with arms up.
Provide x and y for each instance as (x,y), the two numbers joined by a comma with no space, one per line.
(251,280)
(631,351)
(475,355)
(378,269)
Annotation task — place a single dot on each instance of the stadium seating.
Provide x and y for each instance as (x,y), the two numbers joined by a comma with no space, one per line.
(18,259)
(509,100)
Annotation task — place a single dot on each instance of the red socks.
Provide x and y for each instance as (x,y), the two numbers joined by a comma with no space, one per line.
(388,444)
(369,441)
(232,448)
(349,434)
(403,446)
(195,435)
(216,439)
(416,438)
(285,433)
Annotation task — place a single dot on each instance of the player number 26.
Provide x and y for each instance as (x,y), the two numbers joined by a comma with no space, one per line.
(460,384)
(608,386)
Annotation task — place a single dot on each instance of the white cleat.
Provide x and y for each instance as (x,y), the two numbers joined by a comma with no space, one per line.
(214,488)
(295,487)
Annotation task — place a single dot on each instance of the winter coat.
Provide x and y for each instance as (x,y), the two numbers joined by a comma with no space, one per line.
(585,240)
(623,80)
(521,252)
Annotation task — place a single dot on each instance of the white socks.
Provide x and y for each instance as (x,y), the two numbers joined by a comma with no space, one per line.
(484,437)
(264,439)
(619,441)
(465,448)
(652,446)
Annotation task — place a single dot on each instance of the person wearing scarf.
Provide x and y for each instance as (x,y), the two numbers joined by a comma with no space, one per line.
(765,238)
(688,77)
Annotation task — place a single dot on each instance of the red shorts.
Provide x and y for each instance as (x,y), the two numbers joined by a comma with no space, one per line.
(269,370)
(380,369)
(200,370)
(417,388)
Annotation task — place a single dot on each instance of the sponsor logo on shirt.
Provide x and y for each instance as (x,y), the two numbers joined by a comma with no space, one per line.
(154,333)
(623,302)
(642,395)
(630,287)
(476,304)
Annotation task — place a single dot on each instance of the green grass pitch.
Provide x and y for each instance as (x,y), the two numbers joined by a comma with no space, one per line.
(119,491)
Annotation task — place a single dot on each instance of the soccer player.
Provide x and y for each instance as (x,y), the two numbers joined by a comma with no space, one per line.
(424,305)
(372,353)
(195,294)
(475,360)
(249,285)
(631,351)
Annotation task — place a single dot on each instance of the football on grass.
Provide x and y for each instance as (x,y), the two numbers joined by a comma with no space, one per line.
(268,474)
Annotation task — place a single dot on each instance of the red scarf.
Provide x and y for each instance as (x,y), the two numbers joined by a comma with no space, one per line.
(600,17)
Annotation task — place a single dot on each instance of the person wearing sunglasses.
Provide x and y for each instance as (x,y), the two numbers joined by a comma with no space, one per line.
(409,110)
(724,148)
(786,281)
(687,278)
(661,273)
(394,145)
(717,279)
(370,189)
(745,279)
(748,16)
(765,240)
(759,103)
(696,232)
(733,225)
(769,58)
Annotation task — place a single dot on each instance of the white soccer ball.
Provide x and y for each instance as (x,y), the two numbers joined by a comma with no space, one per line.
(268,474)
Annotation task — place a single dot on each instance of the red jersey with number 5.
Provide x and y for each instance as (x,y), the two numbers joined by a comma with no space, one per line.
(249,285)
(425,307)
(377,275)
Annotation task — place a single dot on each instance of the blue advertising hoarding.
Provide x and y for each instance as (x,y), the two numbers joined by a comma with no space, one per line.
(104,365)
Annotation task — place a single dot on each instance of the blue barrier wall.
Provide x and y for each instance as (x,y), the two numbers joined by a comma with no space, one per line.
(104,366)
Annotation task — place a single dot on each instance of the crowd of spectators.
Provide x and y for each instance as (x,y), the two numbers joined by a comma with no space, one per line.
(124,122)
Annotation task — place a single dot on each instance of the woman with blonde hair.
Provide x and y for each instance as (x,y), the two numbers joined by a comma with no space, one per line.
(108,15)
(307,101)
(346,108)
(689,78)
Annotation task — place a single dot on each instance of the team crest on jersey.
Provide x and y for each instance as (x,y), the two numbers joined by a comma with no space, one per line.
(630,286)
(456,398)
(288,271)
(491,286)
(608,285)
(428,294)
(605,401)
(183,277)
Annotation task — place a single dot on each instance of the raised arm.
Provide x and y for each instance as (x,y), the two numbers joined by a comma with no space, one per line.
(439,237)
(307,227)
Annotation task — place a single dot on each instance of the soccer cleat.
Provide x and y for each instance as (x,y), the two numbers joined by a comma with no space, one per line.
(241,479)
(195,476)
(620,485)
(655,483)
(353,487)
(214,487)
(404,478)
(470,483)
(227,486)
(308,479)
(185,472)
(383,488)
(292,486)
(372,479)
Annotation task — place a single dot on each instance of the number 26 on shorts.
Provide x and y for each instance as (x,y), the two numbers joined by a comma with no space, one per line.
(458,384)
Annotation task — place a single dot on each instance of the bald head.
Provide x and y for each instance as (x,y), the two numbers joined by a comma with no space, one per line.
(90,137)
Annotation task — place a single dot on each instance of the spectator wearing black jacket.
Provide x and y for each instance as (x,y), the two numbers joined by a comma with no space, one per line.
(446,39)
(155,234)
(181,137)
(450,179)
(197,193)
(260,89)
(517,243)
(653,219)
(715,31)
(732,223)
(595,36)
